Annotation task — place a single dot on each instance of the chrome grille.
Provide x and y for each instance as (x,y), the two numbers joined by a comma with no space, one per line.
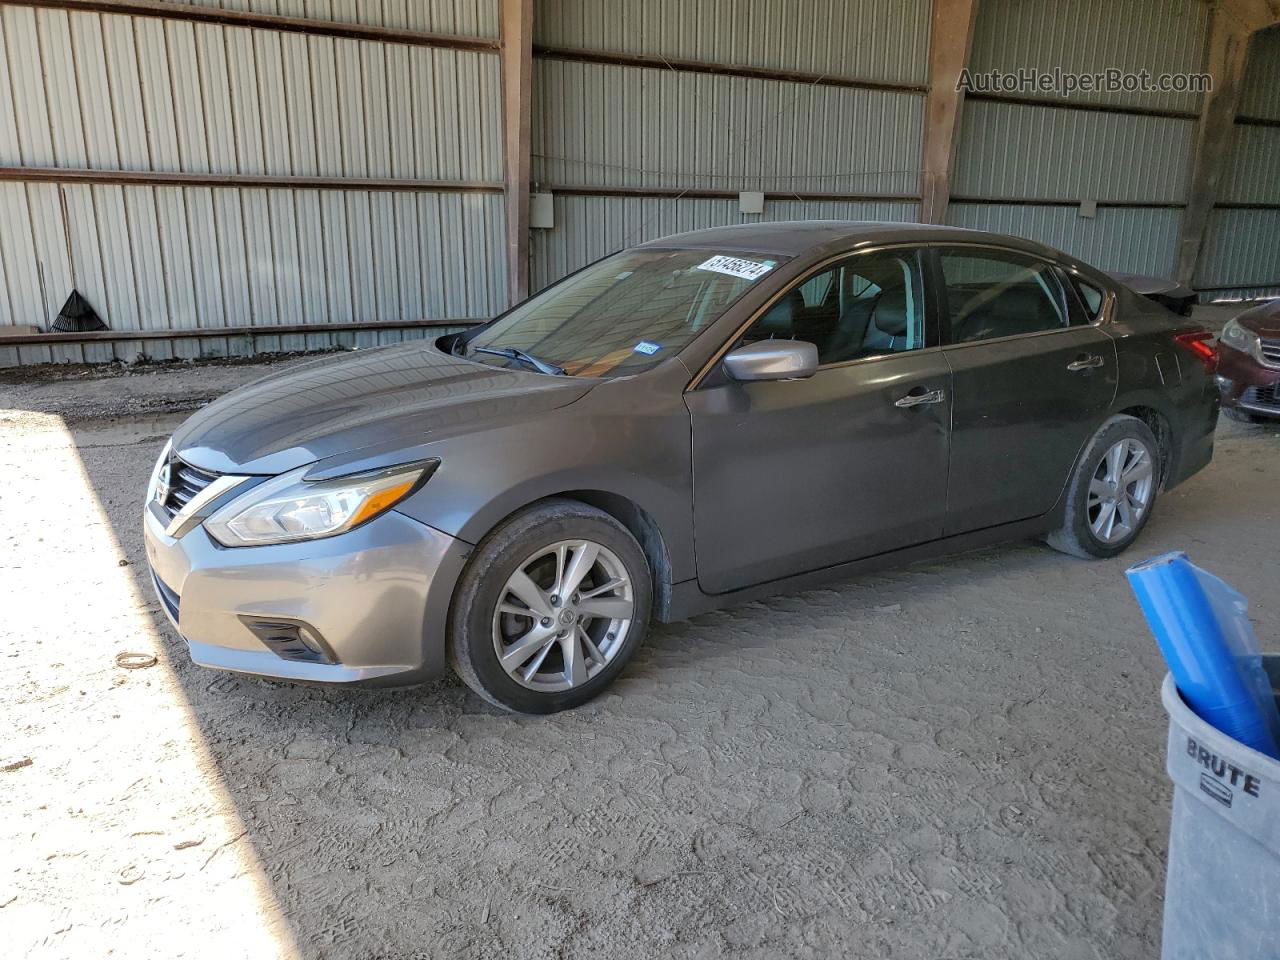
(185,481)
(1262,398)
(1271,352)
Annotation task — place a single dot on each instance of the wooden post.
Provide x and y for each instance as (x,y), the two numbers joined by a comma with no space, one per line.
(1228,51)
(517,98)
(950,40)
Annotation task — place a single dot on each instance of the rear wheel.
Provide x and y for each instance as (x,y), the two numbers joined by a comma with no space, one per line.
(1111,492)
(552,605)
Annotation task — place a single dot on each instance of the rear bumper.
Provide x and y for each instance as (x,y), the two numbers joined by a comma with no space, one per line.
(1246,384)
(1195,423)
(377,597)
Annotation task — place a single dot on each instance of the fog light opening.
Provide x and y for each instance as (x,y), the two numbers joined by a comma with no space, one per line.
(293,640)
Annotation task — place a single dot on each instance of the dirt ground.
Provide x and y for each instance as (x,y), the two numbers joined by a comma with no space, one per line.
(963,758)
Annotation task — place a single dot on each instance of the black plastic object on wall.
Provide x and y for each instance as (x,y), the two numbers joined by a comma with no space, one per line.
(76,316)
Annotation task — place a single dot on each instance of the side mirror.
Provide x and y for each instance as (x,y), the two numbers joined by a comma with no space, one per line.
(773,360)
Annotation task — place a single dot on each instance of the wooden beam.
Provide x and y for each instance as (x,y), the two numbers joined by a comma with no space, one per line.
(1253,15)
(1228,52)
(723,193)
(950,40)
(1060,202)
(265,21)
(714,68)
(166,178)
(517,102)
(1057,103)
(266,330)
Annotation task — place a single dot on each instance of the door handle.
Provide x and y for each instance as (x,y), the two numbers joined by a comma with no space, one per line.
(914,399)
(1085,363)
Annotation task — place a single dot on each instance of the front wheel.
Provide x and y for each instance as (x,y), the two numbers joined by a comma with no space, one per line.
(1111,492)
(552,605)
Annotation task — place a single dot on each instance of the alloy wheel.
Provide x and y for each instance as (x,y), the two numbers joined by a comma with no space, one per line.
(563,615)
(1120,491)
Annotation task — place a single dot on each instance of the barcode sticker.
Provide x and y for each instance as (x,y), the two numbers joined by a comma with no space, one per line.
(736,267)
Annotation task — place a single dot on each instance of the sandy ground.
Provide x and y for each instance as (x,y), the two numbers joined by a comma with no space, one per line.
(959,759)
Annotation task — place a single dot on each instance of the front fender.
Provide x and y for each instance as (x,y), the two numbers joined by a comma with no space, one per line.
(629,439)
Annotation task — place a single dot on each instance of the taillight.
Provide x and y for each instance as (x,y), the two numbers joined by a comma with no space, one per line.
(1201,345)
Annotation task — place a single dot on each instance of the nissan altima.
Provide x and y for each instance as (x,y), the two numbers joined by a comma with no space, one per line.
(689,423)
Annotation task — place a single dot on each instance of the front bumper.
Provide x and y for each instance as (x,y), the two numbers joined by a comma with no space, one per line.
(1246,384)
(378,596)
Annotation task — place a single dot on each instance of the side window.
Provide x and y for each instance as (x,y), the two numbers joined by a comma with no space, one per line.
(865,306)
(995,294)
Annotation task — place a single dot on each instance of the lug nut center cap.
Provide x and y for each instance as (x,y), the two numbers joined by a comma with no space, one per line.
(568,616)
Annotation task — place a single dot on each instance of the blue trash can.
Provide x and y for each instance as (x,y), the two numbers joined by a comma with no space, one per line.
(1222,891)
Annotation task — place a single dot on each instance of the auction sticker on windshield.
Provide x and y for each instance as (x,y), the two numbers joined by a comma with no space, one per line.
(737,267)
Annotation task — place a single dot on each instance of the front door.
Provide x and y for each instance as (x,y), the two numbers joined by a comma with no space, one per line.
(796,475)
(1032,379)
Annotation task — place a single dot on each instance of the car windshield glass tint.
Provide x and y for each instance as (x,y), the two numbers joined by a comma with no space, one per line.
(626,313)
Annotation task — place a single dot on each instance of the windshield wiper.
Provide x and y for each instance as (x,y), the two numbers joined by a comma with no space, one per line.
(511,353)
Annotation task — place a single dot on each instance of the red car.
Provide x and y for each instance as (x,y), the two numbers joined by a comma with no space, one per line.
(1249,364)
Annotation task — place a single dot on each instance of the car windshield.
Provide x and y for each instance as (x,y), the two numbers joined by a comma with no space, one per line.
(622,315)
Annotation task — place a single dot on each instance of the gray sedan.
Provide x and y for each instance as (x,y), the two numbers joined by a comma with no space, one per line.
(689,423)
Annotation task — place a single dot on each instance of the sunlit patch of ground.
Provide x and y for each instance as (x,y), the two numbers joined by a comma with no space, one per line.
(117,837)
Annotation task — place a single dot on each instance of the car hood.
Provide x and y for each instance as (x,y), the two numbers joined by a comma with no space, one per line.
(1263,320)
(410,393)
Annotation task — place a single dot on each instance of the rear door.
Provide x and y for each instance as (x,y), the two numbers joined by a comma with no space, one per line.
(796,475)
(1032,378)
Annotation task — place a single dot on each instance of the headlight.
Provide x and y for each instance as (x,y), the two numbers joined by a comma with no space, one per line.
(289,508)
(154,482)
(1238,338)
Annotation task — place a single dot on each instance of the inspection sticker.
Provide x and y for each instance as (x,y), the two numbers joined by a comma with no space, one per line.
(647,347)
(736,267)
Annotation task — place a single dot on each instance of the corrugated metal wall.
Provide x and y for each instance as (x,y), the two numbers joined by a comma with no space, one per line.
(1260,96)
(1088,36)
(624,125)
(818,105)
(1241,258)
(605,124)
(111,92)
(474,17)
(600,225)
(1119,238)
(142,93)
(861,39)
(1016,151)
(1012,151)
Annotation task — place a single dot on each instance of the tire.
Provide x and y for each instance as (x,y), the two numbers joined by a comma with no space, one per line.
(1085,512)
(568,666)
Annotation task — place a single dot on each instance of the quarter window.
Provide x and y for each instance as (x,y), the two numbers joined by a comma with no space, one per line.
(994,294)
(1092,298)
(868,305)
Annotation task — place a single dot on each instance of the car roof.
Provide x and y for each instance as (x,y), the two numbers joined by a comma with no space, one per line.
(794,238)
